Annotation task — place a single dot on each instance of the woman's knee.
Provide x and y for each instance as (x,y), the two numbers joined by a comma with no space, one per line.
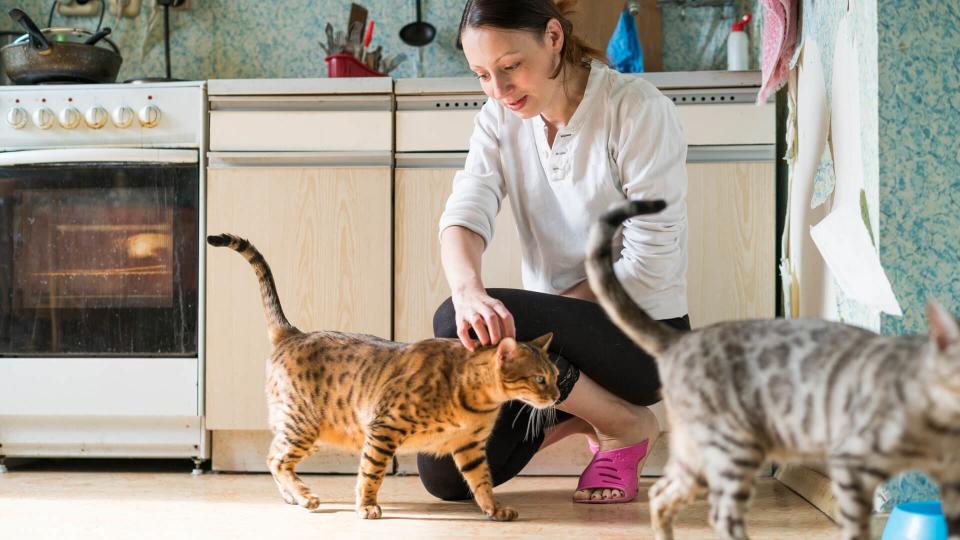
(445,320)
(441,478)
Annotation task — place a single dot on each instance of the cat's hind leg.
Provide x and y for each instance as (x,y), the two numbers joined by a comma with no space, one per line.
(853,491)
(284,454)
(680,485)
(730,466)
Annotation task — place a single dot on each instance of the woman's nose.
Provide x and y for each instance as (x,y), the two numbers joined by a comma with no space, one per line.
(501,87)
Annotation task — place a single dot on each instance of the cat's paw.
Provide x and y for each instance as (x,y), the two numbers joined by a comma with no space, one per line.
(369,511)
(311,502)
(503,513)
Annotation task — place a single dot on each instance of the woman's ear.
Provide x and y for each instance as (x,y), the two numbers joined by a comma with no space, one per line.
(553,35)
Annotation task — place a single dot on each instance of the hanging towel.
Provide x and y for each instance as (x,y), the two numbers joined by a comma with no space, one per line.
(624,51)
(779,41)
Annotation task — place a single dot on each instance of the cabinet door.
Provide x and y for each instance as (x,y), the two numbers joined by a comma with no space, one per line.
(326,234)
(421,194)
(731,210)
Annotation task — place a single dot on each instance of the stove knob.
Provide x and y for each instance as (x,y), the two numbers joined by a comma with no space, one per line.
(149,116)
(44,118)
(70,118)
(96,117)
(17,118)
(123,117)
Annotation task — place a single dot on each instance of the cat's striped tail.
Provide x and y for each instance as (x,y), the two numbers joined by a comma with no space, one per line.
(652,336)
(278,327)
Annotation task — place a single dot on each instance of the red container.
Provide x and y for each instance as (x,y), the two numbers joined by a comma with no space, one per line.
(347,65)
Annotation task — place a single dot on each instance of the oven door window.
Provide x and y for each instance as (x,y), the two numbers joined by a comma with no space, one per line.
(99,259)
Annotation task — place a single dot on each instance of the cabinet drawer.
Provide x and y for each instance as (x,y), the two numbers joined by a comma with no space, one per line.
(301,124)
(334,131)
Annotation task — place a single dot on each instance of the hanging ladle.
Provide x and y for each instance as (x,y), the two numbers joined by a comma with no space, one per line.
(418,33)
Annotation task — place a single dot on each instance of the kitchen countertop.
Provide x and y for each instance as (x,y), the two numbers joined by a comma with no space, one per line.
(665,80)
(320,86)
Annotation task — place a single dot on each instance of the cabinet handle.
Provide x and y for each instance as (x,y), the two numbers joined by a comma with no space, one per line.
(222,160)
(720,154)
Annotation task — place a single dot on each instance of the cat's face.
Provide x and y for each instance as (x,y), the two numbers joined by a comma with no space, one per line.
(526,373)
(945,336)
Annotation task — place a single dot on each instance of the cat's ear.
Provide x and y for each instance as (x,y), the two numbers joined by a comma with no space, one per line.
(944,331)
(543,341)
(505,348)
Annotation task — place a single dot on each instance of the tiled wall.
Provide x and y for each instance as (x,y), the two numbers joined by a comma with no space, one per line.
(277,39)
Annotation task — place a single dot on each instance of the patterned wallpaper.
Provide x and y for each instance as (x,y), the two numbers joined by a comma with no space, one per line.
(910,83)
(919,98)
(220,39)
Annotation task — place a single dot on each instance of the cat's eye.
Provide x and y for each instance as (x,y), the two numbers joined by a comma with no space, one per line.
(540,379)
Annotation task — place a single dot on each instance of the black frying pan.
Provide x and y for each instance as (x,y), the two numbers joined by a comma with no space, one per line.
(44,59)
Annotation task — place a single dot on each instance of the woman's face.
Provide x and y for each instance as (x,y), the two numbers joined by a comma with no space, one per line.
(514,66)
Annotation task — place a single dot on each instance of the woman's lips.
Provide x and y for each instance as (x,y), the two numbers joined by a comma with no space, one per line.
(518,104)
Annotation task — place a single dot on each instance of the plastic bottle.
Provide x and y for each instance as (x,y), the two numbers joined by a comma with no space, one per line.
(737,57)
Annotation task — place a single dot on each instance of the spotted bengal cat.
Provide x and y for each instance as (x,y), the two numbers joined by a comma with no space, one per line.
(376,397)
(739,393)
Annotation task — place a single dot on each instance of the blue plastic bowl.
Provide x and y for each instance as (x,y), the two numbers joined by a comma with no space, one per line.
(916,521)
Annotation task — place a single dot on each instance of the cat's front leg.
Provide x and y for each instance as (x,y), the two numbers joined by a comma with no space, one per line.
(471,460)
(378,450)
(950,502)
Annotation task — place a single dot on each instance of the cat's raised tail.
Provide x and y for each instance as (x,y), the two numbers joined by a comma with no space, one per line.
(652,336)
(278,327)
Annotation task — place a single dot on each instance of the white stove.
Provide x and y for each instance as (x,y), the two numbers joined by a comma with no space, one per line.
(101,266)
(149,115)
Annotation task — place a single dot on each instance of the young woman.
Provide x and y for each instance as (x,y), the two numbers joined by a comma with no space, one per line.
(563,136)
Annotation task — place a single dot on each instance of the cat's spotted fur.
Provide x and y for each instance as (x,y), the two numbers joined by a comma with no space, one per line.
(740,393)
(375,396)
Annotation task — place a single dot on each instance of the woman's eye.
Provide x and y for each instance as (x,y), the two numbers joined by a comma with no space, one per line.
(480,76)
(540,379)
(511,67)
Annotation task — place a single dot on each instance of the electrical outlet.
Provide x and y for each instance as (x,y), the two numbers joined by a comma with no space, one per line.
(124,8)
(73,8)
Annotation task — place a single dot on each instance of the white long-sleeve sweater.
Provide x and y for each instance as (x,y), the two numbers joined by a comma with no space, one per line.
(623,141)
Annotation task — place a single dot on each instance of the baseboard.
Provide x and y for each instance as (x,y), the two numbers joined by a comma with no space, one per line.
(246,451)
(811,484)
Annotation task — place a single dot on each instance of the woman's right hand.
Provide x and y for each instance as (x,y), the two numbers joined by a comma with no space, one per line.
(487,316)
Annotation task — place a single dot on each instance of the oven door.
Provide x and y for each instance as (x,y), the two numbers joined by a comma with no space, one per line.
(99,253)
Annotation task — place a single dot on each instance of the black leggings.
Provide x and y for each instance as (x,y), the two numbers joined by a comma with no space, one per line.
(584,340)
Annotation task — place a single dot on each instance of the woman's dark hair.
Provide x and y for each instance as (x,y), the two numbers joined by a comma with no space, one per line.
(531,16)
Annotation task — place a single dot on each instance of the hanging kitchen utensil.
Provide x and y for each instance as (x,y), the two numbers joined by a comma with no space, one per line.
(58,55)
(418,34)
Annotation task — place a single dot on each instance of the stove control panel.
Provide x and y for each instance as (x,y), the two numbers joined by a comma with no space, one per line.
(152,114)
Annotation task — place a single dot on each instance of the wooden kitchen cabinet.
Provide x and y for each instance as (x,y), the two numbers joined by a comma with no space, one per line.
(731,245)
(421,194)
(731,209)
(326,233)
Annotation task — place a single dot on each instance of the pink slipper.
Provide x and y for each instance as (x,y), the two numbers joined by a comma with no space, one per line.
(613,469)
